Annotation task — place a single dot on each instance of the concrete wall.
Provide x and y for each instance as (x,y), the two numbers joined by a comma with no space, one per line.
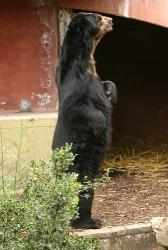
(147,10)
(28,45)
(33,132)
(129,237)
(28,54)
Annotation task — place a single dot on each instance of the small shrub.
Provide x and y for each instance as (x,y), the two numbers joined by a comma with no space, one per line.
(39,217)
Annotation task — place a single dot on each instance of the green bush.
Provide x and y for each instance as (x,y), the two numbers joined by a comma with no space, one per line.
(40,217)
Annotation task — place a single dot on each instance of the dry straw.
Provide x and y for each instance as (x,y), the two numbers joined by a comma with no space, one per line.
(137,156)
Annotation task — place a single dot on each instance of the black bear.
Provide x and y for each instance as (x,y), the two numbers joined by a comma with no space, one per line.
(84,116)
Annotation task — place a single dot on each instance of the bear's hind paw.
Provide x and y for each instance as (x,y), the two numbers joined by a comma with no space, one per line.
(86,224)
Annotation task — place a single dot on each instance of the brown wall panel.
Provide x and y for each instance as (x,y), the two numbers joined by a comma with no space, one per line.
(154,11)
(107,6)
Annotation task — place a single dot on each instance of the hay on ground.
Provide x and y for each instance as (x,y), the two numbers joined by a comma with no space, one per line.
(136,156)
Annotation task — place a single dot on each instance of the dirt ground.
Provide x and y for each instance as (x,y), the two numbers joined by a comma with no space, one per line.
(129,199)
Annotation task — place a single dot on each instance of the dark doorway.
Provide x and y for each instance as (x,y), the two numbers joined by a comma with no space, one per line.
(135,56)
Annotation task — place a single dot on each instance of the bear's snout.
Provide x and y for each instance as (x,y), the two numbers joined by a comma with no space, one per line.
(107,23)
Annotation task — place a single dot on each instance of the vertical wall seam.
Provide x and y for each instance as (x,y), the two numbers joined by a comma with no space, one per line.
(124,8)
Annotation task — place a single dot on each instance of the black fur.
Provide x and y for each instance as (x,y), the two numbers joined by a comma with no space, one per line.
(84,117)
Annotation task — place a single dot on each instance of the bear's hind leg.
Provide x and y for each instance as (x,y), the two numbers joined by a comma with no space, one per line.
(84,209)
(86,166)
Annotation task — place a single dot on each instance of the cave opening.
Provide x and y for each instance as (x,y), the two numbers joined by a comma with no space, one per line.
(135,56)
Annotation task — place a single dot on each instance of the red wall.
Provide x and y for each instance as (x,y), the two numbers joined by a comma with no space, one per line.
(28,45)
(27,55)
(152,11)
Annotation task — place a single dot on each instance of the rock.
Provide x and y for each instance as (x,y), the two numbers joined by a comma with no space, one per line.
(25,106)
(160,227)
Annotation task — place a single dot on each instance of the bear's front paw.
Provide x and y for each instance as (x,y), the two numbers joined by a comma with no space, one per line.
(110,90)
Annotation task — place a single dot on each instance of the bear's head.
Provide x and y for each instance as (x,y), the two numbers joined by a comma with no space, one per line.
(90,27)
(85,30)
(91,24)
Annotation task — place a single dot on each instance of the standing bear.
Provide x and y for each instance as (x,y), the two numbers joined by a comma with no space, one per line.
(85,104)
